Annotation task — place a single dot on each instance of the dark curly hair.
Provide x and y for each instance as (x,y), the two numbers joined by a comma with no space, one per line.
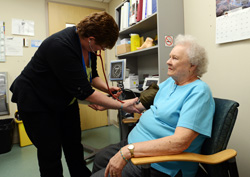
(100,25)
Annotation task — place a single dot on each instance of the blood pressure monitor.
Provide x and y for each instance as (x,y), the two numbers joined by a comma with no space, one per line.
(117,70)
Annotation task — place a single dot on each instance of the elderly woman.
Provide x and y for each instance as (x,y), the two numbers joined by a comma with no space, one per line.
(180,119)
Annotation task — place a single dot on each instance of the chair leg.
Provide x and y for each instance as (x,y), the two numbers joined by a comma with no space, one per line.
(145,171)
(201,172)
(92,151)
(233,170)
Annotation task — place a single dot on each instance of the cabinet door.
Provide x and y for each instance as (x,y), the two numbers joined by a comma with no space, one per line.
(91,118)
(60,15)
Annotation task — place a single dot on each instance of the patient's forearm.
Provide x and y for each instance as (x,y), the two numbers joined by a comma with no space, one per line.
(173,144)
(140,107)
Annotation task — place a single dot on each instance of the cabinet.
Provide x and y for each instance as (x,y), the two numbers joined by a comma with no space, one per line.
(4,106)
(167,21)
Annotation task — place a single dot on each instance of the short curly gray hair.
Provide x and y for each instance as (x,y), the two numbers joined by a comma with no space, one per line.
(196,53)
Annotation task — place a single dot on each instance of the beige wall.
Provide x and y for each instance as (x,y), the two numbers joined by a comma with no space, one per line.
(228,73)
(111,56)
(28,10)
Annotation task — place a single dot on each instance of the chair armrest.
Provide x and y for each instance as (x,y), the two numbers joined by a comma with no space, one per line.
(187,156)
(133,120)
(129,120)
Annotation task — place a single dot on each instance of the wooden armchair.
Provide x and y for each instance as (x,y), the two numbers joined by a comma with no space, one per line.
(215,160)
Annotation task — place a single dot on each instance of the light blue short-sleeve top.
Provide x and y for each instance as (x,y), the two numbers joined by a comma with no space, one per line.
(191,106)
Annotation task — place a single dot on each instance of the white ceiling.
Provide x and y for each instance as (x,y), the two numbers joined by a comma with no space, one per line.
(104,1)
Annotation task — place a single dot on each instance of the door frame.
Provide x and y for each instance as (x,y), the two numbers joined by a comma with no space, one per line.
(71,4)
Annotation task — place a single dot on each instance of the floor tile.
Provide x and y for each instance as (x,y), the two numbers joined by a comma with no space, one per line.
(22,161)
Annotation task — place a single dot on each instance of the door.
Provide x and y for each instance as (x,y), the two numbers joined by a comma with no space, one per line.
(59,16)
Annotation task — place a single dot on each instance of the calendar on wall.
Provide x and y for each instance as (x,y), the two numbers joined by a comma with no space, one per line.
(234,26)
(232,20)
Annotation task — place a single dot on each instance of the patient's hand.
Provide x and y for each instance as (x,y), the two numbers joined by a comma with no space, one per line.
(117,90)
(115,166)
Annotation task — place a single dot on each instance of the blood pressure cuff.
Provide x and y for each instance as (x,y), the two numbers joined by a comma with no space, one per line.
(147,96)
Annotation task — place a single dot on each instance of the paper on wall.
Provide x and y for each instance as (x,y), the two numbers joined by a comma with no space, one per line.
(23,27)
(14,46)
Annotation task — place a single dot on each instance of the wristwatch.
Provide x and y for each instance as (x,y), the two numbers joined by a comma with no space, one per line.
(131,148)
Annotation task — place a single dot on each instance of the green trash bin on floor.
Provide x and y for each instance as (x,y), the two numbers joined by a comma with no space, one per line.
(6,134)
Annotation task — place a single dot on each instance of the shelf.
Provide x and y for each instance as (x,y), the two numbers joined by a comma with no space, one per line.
(164,22)
(145,25)
(142,52)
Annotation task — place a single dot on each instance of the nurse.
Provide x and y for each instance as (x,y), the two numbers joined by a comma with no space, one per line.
(63,70)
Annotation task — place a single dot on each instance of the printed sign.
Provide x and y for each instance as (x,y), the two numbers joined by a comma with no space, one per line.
(169,41)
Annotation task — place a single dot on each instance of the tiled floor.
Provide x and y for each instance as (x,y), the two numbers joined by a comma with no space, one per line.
(22,161)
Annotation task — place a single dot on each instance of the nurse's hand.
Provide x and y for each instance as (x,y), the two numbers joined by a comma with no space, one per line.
(130,105)
(116,91)
(140,107)
(97,107)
